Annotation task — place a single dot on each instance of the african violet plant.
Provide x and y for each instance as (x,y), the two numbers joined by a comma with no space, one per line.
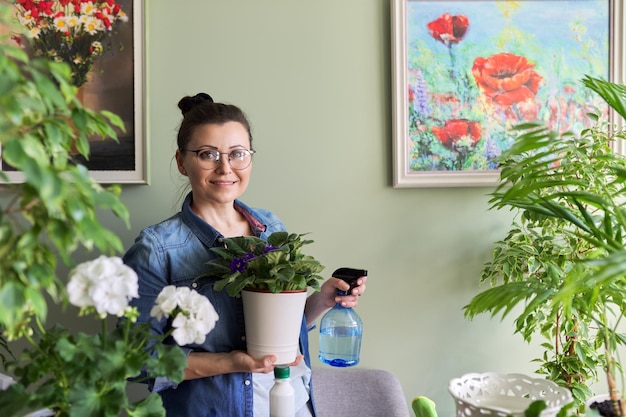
(275,265)
(562,265)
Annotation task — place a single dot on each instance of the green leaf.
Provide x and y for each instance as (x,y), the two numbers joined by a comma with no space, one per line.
(66,349)
(613,94)
(535,408)
(15,401)
(91,401)
(151,406)
(12,303)
(170,361)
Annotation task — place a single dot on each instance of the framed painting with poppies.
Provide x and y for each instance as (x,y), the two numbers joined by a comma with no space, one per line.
(466,72)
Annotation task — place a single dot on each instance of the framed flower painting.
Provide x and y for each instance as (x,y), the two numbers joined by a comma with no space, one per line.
(102,41)
(465,73)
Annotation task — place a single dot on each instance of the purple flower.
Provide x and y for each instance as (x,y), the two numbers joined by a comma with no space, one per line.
(238,264)
(269,248)
(492,151)
(420,91)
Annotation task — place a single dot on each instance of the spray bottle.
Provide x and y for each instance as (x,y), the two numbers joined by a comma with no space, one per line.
(341,328)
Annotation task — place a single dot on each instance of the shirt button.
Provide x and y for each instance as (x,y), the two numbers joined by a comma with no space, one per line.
(194,285)
(247,382)
(243,338)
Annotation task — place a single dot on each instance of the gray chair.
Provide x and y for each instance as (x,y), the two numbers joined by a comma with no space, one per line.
(358,393)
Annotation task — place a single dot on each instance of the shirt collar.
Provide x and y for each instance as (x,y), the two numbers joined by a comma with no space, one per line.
(209,235)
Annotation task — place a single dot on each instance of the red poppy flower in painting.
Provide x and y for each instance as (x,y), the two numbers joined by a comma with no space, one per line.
(449,29)
(506,78)
(456,130)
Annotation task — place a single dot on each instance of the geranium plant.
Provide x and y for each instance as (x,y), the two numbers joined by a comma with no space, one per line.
(86,374)
(275,265)
(70,31)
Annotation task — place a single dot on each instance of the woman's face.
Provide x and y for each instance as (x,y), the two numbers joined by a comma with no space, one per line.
(223,184)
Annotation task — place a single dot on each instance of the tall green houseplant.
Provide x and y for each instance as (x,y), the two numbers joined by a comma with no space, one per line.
(44,220)
(53,211)
(562,266)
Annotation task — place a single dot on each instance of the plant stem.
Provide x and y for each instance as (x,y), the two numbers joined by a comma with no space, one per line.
(614,393)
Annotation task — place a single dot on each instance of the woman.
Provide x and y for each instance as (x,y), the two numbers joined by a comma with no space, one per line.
(221,379)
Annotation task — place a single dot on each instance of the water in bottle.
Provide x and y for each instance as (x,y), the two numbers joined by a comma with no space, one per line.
(340,339)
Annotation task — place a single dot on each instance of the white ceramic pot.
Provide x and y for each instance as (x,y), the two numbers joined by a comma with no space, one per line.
(273,323)
(492,394)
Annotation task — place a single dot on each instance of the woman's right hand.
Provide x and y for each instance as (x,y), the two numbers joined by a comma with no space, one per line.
(203,364)
(263,365)
(246,363)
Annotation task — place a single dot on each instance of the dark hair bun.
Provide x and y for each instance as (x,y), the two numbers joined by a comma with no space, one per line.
(187,103)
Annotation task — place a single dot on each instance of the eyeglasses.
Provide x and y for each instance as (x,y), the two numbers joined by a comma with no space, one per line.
(210,158)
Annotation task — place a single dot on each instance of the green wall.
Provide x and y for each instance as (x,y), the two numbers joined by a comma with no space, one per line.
(314,78)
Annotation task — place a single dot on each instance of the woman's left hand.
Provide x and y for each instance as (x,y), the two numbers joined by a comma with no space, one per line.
(327,297)
(330,288)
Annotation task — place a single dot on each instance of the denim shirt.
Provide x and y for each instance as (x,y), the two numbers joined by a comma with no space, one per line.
(174,252)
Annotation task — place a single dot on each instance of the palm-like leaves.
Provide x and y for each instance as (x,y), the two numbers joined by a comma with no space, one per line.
(563,262)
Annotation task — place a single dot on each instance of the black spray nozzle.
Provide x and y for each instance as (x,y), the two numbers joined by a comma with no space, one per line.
(350,275)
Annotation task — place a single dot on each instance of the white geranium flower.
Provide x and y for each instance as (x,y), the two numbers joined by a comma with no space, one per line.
(185,330)
(112,295)
(108,300)
(104,283)
(194,314)
(166,302)
(187,299)
(78,288)
(206,313)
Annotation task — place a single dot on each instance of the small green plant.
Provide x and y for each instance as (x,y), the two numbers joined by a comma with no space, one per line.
(277,265)
(562,266)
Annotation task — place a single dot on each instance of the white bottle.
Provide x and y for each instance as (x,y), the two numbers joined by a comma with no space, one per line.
(282,397)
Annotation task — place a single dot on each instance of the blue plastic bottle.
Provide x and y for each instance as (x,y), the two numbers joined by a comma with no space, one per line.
(341,328)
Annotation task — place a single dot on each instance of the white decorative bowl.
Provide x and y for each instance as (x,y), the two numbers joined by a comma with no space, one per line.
(502,395)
